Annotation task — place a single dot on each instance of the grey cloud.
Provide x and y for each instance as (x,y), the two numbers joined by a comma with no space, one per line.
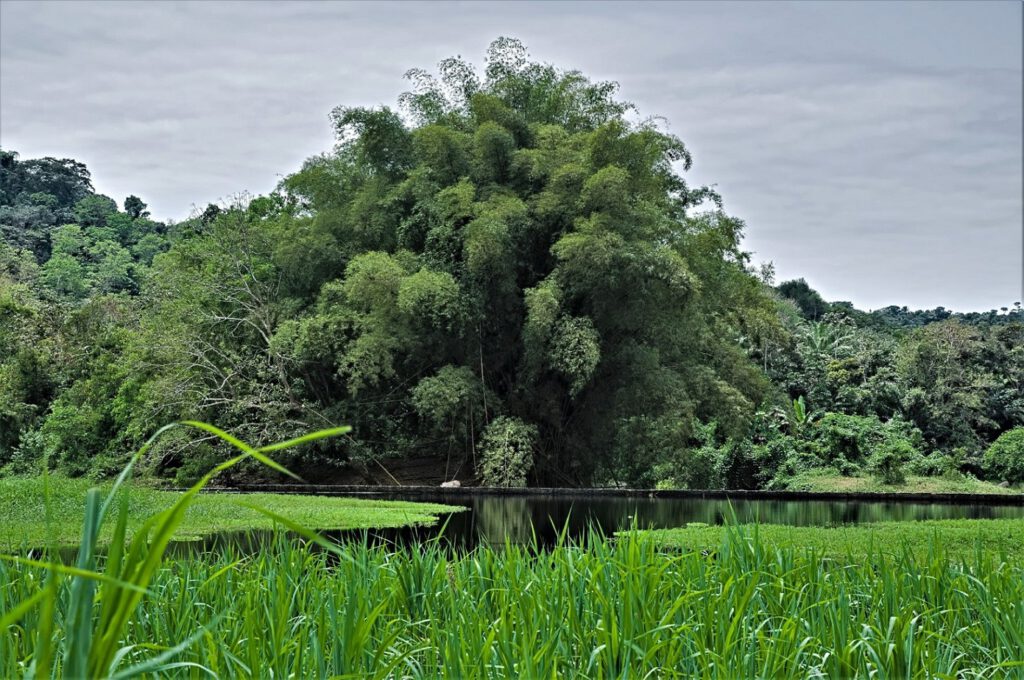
(874,148)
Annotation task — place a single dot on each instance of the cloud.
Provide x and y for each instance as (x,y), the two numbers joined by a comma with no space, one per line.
(873,148)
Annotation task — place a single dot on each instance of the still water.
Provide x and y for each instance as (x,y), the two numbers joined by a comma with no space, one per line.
(523,519)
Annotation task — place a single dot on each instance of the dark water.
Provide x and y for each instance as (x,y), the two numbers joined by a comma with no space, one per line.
(491,520)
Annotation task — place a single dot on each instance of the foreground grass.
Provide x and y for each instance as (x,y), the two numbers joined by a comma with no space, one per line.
(857,544)
(600,609)
(24,517)
(827,481)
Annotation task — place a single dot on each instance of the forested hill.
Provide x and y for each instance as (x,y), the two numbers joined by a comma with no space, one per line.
(813,308)
(506,274)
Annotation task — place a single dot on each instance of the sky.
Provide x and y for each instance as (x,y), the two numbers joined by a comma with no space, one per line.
(872,148)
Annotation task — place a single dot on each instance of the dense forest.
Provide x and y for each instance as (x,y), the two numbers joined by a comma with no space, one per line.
(508,274)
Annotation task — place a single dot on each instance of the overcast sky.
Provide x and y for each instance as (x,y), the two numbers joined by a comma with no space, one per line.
(873,148)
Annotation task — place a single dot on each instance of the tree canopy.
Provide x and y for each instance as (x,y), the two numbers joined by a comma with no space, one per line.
(508,271)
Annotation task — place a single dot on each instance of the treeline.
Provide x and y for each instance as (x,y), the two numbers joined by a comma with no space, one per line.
(508,273)
(813,307)
(893,391)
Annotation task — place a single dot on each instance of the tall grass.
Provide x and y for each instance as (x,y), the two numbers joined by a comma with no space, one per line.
(596,608)
(92,612)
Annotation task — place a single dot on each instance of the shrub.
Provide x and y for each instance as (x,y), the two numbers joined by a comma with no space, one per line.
(844,441)
(888,460)
(506,452)
(654,450)
(1005,456)
(934,465)
(197,464)
(949,464)
(74,433)
(848,442)
(779,446)
(26,456)
(773,457)
(738,464)
(691,458)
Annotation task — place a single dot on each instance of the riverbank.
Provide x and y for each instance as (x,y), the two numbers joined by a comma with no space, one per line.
(24,509)
(828,481)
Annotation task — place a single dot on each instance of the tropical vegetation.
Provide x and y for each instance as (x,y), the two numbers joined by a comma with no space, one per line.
(506,276)
(508,271)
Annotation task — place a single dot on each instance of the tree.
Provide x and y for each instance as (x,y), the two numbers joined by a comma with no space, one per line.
(210,213)
(27,380)
(506,452)
(946,385)
(65,276)
(208,339)
(1004,458)
(65,179)
(135,208)
(94,210)
(812,305)
(522,240)
(112,269)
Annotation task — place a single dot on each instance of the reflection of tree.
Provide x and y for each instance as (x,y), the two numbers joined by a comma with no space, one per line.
(517,517)
(498,517)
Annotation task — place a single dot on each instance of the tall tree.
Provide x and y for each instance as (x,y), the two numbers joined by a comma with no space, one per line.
(135,208)
(523,232)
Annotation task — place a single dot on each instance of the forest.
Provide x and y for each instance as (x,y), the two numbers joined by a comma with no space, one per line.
(506,272)
(504,279)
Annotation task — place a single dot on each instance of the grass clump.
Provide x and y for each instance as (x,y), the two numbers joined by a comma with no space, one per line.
(597,608)
(93,603)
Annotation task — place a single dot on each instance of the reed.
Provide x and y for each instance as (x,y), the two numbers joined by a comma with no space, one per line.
(594,608)
(91,613)
(598,607)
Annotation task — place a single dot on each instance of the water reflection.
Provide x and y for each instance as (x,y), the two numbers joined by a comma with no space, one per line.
(495,519)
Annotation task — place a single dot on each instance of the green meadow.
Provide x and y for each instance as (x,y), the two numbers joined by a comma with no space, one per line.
(890,542)
(24,507)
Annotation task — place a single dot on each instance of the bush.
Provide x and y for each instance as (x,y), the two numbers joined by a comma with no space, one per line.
(74,433)
(889,458)
(201,459)
(506,452)
(843,441)
(934,465)
(777,459)
(739,465)
(948,464)
(1004,459)
(26,456)
(848,442)
(691,458)
(649,451)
